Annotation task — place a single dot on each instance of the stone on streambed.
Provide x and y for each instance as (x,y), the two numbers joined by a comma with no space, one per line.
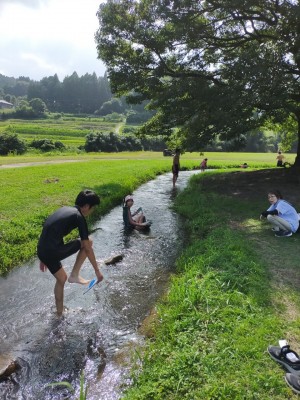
(114,259)
(7,365)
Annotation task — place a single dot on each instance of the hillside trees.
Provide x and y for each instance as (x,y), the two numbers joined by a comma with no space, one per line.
(74,94)
(220,67)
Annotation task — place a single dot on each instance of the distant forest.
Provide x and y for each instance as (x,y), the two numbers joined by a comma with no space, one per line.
(87,94)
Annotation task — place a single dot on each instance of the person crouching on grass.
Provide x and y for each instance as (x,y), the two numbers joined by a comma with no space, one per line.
(51,248)
(281,215)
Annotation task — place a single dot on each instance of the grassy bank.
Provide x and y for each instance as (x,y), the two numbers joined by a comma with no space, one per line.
(224,305)
(30,194)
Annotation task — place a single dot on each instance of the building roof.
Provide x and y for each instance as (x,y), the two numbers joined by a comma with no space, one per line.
(6,102)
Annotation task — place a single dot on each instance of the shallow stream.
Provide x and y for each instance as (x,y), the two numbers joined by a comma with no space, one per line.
(100,327)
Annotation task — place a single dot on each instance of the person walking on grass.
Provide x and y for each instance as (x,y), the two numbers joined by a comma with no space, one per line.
(176,166)
(51,248)
(282,215)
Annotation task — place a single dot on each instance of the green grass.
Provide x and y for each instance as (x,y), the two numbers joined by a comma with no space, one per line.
(30,194)
(215,160)
(215,323)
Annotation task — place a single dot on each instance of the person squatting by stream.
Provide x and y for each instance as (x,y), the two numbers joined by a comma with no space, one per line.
(281,215)
(51,248)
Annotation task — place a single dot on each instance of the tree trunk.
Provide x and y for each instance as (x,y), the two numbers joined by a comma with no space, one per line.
(293,173)
(297,159)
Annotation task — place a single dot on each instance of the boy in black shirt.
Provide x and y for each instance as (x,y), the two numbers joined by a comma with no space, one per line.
(51,248)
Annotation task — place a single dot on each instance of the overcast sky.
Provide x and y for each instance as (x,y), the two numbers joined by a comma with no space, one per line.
(39,38)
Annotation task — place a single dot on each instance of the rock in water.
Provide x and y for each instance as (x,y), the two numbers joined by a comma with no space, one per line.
(7,365)
(114,259)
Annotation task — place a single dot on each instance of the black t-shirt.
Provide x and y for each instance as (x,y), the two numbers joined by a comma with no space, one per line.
(60,224)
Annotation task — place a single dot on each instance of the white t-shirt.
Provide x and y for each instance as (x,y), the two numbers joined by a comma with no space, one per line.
(287,212)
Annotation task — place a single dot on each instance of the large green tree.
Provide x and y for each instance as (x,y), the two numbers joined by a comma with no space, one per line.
(210,68)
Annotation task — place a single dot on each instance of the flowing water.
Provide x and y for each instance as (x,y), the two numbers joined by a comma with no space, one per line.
(100,328)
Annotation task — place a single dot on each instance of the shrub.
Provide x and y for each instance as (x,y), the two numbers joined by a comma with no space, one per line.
(10,142)
(47,145)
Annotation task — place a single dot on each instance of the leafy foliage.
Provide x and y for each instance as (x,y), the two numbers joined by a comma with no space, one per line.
(10,143)
(47,145)
(210,68)
(112,142)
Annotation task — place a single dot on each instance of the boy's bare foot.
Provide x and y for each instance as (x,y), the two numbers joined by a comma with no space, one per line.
(77,279)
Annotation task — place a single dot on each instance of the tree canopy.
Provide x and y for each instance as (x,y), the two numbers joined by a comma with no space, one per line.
(210,68)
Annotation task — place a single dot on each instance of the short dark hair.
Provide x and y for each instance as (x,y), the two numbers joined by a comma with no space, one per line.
(277,193)
(87,197)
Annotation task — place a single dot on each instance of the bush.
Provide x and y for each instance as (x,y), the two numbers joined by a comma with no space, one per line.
(47,145)
(10,142)
(111,142)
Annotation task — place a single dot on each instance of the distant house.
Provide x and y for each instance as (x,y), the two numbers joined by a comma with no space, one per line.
(5,104)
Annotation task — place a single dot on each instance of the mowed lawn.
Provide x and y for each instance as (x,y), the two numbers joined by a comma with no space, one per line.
(215,159)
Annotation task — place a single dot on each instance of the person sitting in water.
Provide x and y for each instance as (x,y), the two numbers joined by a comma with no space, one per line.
(134,220)
(282,215)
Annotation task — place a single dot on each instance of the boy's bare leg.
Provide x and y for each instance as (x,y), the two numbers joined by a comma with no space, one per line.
(174,180)
(61,278)
(74,276)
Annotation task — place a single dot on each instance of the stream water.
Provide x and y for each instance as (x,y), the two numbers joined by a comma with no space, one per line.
(100,327)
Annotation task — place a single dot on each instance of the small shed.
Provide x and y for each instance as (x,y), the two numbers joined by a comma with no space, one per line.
(5,104)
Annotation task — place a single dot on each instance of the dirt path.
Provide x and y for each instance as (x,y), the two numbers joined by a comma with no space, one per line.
(29,164)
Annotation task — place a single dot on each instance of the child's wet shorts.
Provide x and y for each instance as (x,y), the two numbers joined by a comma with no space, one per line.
(52,257)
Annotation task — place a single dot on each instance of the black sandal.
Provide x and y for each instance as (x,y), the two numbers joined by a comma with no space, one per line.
(286,357)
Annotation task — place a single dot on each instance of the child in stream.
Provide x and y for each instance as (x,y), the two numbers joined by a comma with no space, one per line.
(203,164)
(51,248)
(176,166)
(134,220)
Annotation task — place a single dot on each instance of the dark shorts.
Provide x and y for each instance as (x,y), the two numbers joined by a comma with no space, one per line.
(52,258)
(175,169)
(279,163)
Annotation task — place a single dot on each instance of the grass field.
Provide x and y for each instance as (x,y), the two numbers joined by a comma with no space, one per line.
(69,130)
(235,292)
(215,159)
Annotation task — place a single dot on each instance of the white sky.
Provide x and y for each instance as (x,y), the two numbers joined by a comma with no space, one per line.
(39,38)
